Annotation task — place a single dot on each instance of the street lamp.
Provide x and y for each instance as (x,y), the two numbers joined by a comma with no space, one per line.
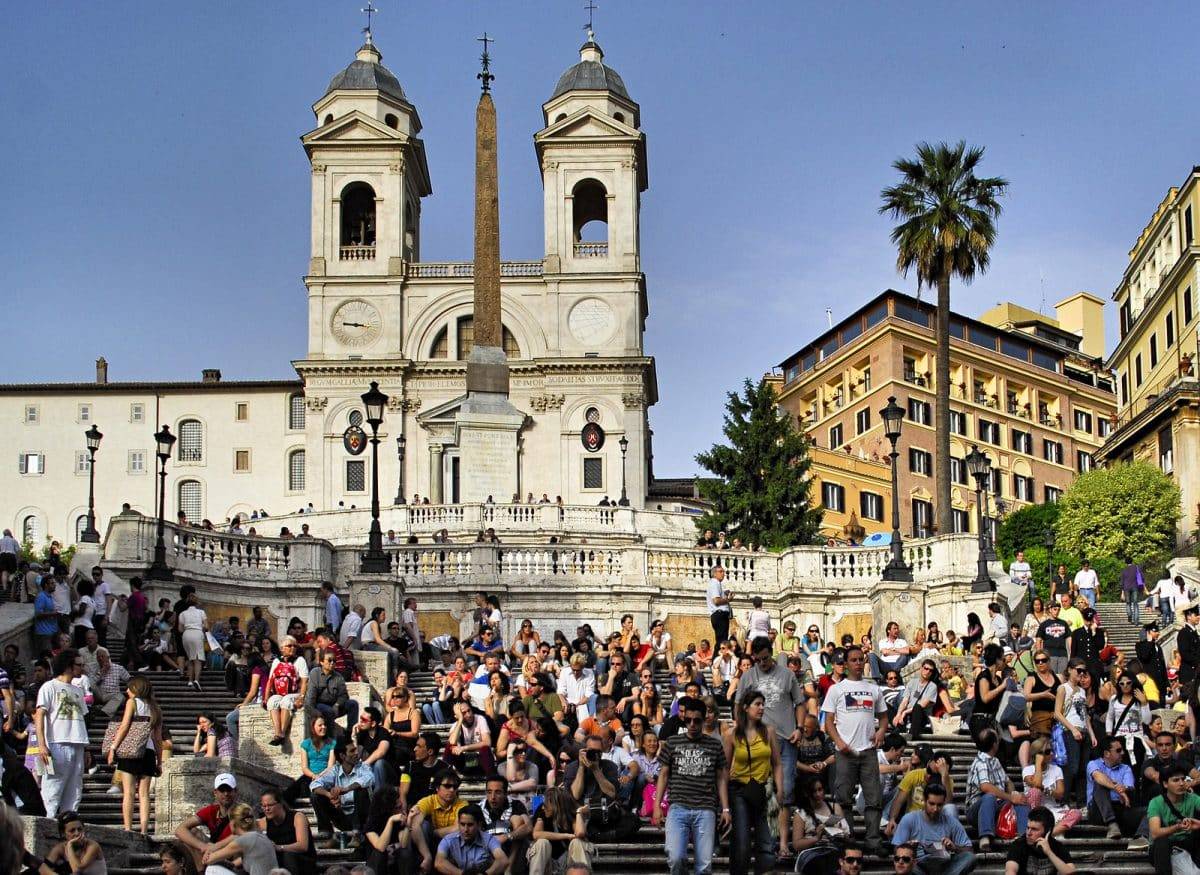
(89,534)
(979,466)
(158,569)
(623,443)
(375,561)
(401,442)
(893,421)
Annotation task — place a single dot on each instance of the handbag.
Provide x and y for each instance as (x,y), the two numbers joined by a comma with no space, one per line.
(753,792)
(133,745)
(1058,745)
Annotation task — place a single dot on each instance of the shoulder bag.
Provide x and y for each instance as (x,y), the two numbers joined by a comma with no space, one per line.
(133,745)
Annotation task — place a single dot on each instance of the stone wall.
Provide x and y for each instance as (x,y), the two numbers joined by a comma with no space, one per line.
(186,784)
(41,834)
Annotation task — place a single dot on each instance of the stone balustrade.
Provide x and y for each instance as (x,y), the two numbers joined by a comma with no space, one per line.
(591,250)
(356,253)
(466,269)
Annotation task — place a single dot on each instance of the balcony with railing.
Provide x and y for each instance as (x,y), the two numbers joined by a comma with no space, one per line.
(356,253)
(466,269)
(590,250)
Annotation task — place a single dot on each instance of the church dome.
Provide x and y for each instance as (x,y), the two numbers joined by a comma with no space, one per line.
(591,74)
(365,73)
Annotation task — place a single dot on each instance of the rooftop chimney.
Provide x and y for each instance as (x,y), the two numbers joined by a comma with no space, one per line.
(102,370)
(210,375)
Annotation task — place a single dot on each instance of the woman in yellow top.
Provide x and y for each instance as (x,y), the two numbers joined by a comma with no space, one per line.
(752,751)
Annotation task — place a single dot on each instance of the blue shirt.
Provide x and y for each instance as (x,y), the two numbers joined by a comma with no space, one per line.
(478,854)
(916,827)
(361,775)
(333,611)
(44,604)
(1118,774)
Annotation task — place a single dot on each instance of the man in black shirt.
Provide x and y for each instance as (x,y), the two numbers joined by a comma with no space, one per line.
(1030,854)
(618,683)
(1164,755)
(1150,655)
(1060,584)
(1189,645)
(593,780)
(1088,641)
(1052,636)
(374,743)
(423,772)
(508,821)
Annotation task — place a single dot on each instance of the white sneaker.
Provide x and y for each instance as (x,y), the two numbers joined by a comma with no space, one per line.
(114,790)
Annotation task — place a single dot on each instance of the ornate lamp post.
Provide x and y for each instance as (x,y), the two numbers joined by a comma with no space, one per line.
(89,534)
(893,421)
(158,569)
(979,466)
(624,445)
(401,443)
(375,561)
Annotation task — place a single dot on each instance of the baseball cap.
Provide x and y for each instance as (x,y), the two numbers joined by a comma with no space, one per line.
(839,656)
(224,780)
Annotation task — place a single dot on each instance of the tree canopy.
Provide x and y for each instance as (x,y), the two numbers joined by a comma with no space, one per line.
(762,490)
(1126,512)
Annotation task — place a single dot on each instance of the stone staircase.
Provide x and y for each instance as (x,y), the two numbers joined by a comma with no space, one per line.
(643,853)
(1118,629)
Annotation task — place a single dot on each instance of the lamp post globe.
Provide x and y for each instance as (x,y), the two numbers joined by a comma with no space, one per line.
(90,535)
(374,560)
(163,441)
(623,443)
(979,466)
(893,422)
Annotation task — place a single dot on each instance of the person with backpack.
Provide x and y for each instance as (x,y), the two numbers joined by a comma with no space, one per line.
(287,684)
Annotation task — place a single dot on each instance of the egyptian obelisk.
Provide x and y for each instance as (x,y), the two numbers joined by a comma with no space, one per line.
(487,424)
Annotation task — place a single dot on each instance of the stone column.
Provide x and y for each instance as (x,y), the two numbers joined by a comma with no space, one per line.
(898,601)
(435,473)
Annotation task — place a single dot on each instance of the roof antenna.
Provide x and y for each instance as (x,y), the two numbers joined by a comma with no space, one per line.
(1042,279)
(369,10)
(485,76)
(829,316)
(590,7)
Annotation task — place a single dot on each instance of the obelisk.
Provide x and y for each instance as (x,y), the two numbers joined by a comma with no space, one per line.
(486,425)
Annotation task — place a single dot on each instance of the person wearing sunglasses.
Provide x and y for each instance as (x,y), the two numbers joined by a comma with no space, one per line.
(850,861)
(1072,712)
(904,859)
(1041,689)
(932,831)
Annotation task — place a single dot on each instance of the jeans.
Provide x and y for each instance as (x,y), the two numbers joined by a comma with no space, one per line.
(986,808)
(1168,857)
(433,713)
(850,771)
(960,863)
(63,790)
(330,714)
(750,831)
(1090,595)
(330,815)
(1075,773)
(879,668)
(698,825)
(788,755)
(1168,611)
(1131,821)
(231,722)
(1133,608)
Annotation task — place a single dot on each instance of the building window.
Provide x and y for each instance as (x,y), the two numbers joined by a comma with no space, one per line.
(989,432)
(1084,461)
(833,497)
(137,413)
(241,461)
(922,517)
(995,483)
(593,473)
(136,462)
(1166,450)
(191,441)
(190,502)
(31,463)
(1187,226)
(1169,329)
(356,475)
(862,420)
(961,519)
(958,471)
(866,379)
(1022,488)
(1124,399)
(1022,441)
(870,506)
(296,471)
(296,412)
(31,414)
(1153,349)
(80,525)
(83,413)
(1187,305)
(31,529)
(1053,494)
(1083,421)
(81,462)
(1104,427)
(958,422)
(920,412)
(1052,451)
(241,411)
(920,462)
(1137,369)
(835,436)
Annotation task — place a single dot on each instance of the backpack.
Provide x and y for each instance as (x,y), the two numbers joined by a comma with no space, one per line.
(285,680)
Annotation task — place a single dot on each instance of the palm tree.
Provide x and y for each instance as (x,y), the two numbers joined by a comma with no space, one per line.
(947,225)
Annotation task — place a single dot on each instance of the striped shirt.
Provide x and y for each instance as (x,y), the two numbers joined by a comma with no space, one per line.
(985,769)
(693,766)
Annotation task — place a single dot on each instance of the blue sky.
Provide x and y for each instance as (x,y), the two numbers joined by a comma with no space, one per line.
(156,207)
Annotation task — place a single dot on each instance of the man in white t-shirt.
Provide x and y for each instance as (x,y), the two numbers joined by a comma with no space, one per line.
(63,734)
(856,722)
(892,653)
(1020,572)
(103,597)
(351,634)
(717,601)
(408,618)
(1087,581)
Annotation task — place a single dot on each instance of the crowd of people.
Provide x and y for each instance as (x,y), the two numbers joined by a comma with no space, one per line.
(578,743)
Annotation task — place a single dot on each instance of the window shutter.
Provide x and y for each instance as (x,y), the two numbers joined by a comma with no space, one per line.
(41,463)
(21,463)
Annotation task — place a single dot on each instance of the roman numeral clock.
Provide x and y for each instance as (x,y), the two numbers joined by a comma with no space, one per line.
(356,323)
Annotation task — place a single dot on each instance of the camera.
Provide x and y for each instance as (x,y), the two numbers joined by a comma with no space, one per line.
(592,756)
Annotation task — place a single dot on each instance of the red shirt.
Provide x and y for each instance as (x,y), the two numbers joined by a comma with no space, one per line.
(216,823)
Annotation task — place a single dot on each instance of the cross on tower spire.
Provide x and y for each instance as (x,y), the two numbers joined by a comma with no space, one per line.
(591,8)
(369,10)
(485,76)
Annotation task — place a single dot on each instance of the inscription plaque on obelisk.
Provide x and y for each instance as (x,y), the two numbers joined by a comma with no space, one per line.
(487,424)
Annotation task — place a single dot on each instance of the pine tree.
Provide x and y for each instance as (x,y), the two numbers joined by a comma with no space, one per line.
(762,491)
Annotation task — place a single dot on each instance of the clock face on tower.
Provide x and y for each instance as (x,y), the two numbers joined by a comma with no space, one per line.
(356,323)
(592,321)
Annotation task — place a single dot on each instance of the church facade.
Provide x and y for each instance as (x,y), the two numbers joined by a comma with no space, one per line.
(573,327)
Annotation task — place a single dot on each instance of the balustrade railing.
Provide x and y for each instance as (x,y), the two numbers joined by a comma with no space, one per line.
(436,516)
(464,269)
(698,564)
(591,250)
(582,561)
(233,551)
(356,253)
(434,561)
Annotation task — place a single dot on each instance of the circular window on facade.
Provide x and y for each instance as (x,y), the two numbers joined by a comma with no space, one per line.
(592,415)
(356,417)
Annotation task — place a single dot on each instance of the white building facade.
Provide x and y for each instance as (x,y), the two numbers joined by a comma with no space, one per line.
(573,330)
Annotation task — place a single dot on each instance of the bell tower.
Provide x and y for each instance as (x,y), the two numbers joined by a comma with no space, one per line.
(593,158)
